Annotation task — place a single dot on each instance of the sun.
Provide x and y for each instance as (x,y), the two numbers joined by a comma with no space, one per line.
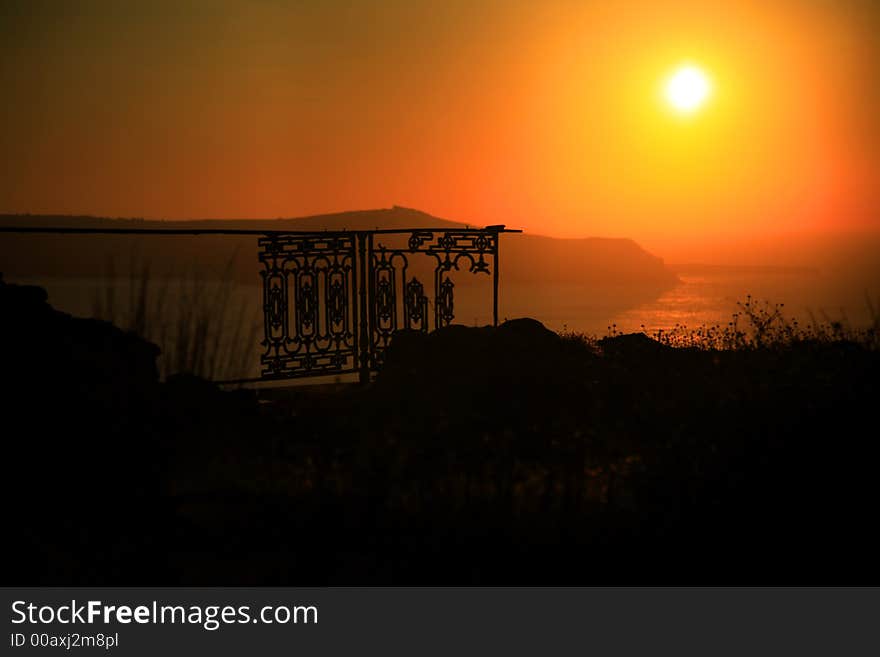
(687,89)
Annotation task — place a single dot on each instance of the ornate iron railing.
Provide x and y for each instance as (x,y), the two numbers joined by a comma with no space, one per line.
(333,300)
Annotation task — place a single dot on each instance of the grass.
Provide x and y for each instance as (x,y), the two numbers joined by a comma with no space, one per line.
(199,322)
(758,325)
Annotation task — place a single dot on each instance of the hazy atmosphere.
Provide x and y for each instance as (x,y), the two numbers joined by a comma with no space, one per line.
(547,116)
(459,292)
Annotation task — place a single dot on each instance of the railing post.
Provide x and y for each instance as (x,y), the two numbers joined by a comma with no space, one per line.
(363,269)
(496,269)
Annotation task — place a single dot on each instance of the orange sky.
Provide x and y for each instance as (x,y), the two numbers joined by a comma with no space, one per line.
(542,115)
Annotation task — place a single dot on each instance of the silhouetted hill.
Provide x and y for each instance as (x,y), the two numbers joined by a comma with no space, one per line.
(594,260)
(395,217)
(525,258)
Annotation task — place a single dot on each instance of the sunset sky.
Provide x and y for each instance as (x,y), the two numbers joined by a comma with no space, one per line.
(548,116)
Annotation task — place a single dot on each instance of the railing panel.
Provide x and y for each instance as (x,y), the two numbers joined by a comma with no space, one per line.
(309,305)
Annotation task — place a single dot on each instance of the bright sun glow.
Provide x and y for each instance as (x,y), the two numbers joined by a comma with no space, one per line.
(687,89)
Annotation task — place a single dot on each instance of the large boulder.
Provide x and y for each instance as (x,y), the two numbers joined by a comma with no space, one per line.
(43,347)
(518,362)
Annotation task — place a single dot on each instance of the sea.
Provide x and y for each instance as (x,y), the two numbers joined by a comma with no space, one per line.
(702,296)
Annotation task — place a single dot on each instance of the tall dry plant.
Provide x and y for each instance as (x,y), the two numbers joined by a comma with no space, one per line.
(204,326)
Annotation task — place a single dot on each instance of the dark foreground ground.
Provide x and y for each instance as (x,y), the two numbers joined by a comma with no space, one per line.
(485,456)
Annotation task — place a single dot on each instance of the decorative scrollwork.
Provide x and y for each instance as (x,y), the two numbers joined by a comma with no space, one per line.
(385,299)
(447,242)
(445,303)
(306,302)
(276,302)
(474,241)
(480,266)
(384,265)
(336,303)
(415,306)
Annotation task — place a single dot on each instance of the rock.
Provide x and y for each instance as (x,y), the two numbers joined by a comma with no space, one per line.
(528,330)
(518,362)
(632,345)
(42,346)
